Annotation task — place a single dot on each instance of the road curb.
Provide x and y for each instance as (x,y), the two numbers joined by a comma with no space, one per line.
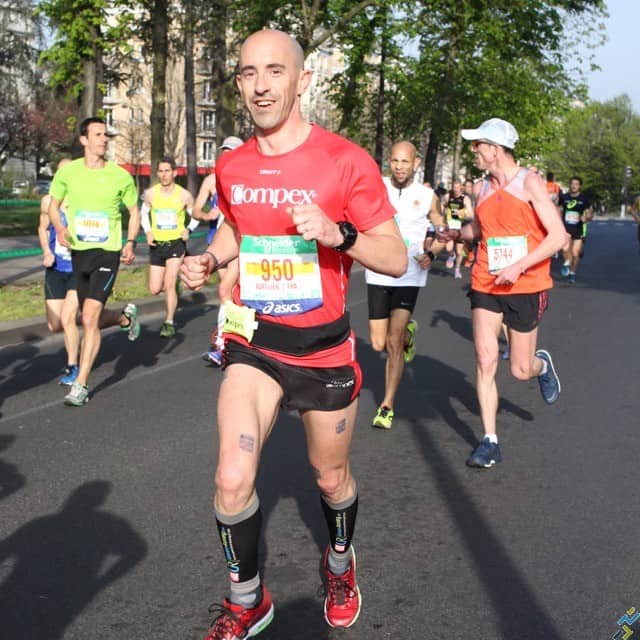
(33,329)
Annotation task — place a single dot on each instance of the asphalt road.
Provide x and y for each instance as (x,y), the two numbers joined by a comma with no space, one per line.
(106,525)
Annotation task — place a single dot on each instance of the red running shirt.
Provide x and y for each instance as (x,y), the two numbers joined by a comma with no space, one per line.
(255,190)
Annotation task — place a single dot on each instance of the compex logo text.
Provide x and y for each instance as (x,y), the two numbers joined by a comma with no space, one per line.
(268,195)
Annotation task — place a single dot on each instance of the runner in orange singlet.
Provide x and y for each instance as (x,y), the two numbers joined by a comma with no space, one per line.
(518,230)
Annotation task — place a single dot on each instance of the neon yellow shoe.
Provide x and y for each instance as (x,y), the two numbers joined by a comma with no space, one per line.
(383,419)
(410,349)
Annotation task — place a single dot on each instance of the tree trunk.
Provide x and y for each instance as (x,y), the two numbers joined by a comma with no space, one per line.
(431,156)
(190,111)
(379,143)
(160,44)
(457,153)
(223,86)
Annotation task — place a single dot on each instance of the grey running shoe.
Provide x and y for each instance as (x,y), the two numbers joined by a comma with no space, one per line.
(77,396)
(133,328)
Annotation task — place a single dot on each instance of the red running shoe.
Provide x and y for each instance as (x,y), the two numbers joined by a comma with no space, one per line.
(343,600)
(234,622)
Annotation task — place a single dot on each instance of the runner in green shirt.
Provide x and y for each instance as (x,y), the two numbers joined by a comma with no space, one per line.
(94,189)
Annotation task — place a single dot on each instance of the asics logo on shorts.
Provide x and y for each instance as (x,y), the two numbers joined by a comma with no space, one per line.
(105,269)
(340,384)
(267,195)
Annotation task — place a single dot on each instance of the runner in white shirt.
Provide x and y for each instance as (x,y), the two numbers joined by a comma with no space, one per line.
(392,300)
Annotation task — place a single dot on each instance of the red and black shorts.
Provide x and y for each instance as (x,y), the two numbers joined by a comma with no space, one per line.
(303,388)
(521,311)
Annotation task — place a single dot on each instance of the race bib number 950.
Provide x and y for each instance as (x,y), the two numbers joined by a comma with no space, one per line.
(280,275)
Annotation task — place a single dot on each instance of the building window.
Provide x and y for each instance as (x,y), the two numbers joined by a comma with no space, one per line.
(207,91)
(207,151)
(207,120)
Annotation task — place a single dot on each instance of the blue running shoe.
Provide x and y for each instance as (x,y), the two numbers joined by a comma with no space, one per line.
(485,455)
(213,357)
(571,278)
(70,375)
(506,354)
(565,270)
(549,382)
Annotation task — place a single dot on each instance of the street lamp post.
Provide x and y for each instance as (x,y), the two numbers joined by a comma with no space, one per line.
(625,186)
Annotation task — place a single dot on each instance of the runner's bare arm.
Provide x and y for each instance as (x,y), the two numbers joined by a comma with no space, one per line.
(207,189)
(380,248)
(43,232)
(468,208)
(129,249)
(62,233)
(195,270)
(548,216)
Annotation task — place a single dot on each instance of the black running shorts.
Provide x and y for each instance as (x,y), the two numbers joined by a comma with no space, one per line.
(304,388)
(383,300)
(576,231)
(96,271)
(521,311)
(163,251)
(58,283)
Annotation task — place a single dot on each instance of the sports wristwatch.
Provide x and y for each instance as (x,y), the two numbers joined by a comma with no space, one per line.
(349,233)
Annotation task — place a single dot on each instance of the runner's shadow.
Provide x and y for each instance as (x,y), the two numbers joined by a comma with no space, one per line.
(11,480)
(285,472)
(432,389)
(521,614)
(58,563)
(458,324)
(25,369)
(143,353)
(290,619)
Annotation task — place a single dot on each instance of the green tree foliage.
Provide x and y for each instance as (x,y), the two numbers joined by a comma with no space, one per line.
(597,142)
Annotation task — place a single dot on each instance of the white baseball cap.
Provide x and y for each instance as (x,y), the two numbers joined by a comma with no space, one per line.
(231,143)
(494,130)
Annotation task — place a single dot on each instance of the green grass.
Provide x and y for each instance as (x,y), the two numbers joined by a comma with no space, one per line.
(20,301)
(19,221)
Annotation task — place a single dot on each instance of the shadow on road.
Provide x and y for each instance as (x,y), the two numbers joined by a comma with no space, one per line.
(458,324)
(418,397)
(11,480)
(55,565)
(285,472)
(304,613)
(517,608)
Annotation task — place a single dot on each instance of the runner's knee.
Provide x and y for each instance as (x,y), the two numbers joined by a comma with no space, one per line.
(333,482)
(378,343)
(234,487)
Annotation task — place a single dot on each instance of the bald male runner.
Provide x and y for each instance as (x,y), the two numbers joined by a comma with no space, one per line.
(299,204)
(392,300)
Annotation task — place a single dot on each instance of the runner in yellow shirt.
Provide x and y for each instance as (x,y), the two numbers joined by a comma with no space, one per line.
(163,219)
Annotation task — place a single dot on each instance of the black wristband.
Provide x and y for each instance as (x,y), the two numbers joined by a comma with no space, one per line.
(431,256)
(133,242)
(216,262)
